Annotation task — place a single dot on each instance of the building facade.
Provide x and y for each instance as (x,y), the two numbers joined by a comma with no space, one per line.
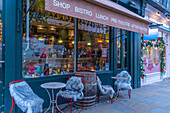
(69,36)
(156,11)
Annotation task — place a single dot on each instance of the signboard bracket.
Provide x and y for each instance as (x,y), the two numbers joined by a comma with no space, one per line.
(19,22)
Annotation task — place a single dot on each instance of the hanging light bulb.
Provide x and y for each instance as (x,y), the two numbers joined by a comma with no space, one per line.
(60,41)
(72,42)
(89,43)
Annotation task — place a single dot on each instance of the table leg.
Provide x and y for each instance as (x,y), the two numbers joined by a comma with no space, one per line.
(53,101)
(50,101)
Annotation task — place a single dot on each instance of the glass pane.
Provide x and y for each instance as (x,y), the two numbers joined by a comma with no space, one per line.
(0,39)
(125,48)
(151,59)
(93,46)
(50,46)
(118,48)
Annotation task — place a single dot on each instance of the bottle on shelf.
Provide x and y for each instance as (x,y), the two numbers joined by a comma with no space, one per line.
(103,65)
(61,70)
(46,69)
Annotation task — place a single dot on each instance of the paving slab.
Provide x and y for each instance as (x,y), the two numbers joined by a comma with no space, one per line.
(153,98)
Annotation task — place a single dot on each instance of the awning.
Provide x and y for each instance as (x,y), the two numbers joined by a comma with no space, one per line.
(100,11)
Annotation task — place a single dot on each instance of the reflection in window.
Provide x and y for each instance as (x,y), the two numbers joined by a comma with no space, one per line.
(0,43)
(93,46)
(118,49)
(125,48)
(50,49)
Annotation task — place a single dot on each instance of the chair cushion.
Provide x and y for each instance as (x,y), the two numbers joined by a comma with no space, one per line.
(74,89)
(71,94)
(124,86)
(25,98)
(75,84)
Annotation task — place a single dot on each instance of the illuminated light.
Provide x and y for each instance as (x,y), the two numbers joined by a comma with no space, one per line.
(82,46)
(24,34)
(118,43)
(52,28)
(89,43)
(100,40)
(60,41)
(92,69)
(107,41)
(40,27)
(72,42)
(41,39)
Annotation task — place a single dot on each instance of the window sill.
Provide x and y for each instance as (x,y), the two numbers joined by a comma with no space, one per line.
(66,75)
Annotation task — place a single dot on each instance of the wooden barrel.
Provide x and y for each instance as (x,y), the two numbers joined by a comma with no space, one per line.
(90,89)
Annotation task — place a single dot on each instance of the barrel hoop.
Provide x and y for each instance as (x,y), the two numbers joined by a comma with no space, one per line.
(89,97)
(84,107)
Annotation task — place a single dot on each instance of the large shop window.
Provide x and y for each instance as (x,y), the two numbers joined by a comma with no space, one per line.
(50,46)
(122,48)
(151,59)
(118,48)
(125,33)
(0,44)
(93,46)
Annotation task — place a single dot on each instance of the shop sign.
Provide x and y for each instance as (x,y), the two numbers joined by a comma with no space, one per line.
(93,29)
(91,12)
(153,34)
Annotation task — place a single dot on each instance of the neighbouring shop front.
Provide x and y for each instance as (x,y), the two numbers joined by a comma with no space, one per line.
(64,36)
(156,47)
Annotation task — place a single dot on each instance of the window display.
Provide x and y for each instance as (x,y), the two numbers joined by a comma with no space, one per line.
(0,47)
(50,49)
(151,58)
(125,49)
(118,48)
(93,46)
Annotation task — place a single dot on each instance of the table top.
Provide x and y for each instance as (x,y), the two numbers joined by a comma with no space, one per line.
(119,78)
(53,85)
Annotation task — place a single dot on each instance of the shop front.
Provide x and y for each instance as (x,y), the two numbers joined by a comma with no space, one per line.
(156,64)
(61,37)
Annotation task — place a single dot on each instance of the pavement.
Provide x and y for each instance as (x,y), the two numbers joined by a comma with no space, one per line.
(153,98)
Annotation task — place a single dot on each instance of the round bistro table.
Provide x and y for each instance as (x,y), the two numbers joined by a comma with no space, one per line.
(52,86)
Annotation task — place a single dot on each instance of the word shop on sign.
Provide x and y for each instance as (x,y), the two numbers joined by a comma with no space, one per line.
(61,4)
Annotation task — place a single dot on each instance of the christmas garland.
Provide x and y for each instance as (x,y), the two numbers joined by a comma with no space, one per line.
(160,43)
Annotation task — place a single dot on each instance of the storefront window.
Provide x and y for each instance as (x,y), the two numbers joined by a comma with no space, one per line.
(93,46)
(118,48)
(151,59)
(49,49)
(0,39)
